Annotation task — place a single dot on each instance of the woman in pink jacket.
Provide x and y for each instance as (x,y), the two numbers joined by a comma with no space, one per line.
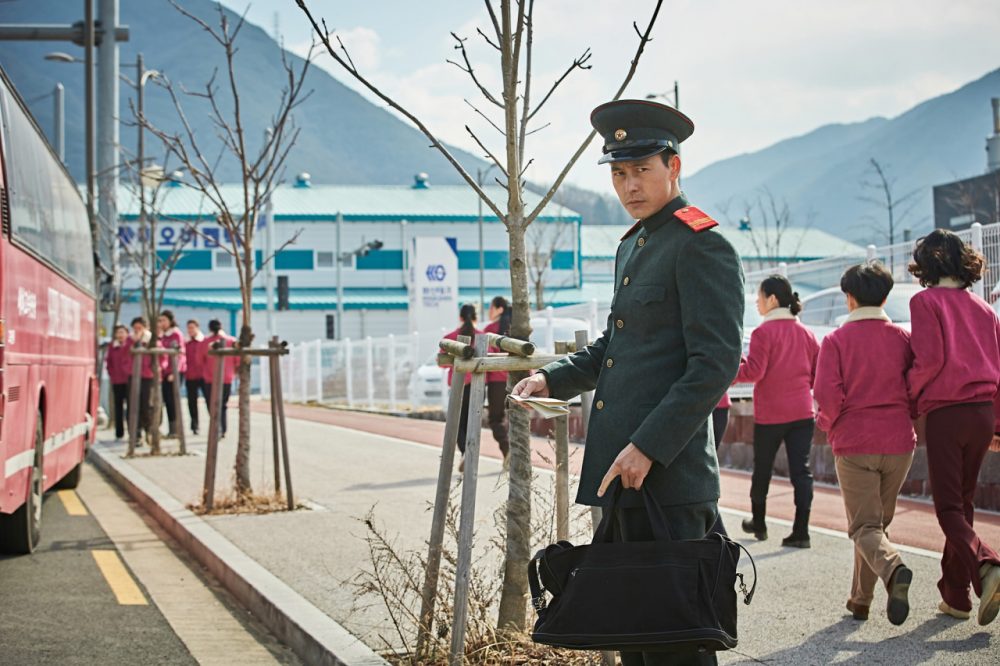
(170,338)
(219,339)
(500,315)
(865,409)
(781,364)
(118,359)
(467,315)
(954,380)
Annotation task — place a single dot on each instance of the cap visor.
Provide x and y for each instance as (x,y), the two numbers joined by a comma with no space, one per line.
(630,155)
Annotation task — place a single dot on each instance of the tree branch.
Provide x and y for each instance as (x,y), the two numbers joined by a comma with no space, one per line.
(643,40)
(460,46)
(487,151)
(578,63)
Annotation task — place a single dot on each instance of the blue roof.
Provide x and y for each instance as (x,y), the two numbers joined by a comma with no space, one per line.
(445,203)
(358,299)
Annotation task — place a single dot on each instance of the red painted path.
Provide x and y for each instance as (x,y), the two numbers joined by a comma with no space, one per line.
(914,524)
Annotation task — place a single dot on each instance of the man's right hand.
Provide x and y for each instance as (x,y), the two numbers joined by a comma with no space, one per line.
(535,385)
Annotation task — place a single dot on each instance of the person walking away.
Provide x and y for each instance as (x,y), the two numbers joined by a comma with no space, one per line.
(781,363)
(194,380)
(170,338)
(140,339)
(219,339)
(119,364)
(500,316)
(866,412)
(669,352)
(954,380)
(467,315)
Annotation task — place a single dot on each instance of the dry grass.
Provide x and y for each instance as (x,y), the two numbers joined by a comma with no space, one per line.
(247,503)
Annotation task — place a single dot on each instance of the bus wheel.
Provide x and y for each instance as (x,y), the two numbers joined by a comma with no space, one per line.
(21,530)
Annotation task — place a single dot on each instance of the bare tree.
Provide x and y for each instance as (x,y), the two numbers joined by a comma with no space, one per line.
(151,254)
(237,212)
(880,188)
(767,221)
(511,34)
(543,241)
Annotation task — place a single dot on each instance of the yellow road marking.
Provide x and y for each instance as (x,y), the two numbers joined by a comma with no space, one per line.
(119,579)
(71,501)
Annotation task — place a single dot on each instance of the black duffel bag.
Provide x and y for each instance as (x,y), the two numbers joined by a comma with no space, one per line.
(649,596)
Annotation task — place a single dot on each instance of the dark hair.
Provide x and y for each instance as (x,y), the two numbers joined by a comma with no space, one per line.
(117,327)
(506,317)
(214,325)
(942,254)
(666,155)
(193,321)
(468,315)
(779,287)
(139,320)
(869,283)
(169,314)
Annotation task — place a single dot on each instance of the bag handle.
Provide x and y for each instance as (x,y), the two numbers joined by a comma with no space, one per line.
(747,596)
(535,585)
(657,520)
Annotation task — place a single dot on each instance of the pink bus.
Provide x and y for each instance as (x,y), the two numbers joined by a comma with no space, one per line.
(48,379)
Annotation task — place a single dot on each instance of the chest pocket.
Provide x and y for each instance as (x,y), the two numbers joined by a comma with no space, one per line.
(646,295)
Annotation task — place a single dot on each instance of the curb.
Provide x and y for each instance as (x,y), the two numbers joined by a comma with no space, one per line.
(311,634)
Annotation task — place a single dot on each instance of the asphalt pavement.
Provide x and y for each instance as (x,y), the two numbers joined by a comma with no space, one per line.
(106,586)
(57,607)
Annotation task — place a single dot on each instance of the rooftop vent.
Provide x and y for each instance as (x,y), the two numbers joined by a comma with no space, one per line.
(421,181)
(744,224)
(176,179)
(303,180)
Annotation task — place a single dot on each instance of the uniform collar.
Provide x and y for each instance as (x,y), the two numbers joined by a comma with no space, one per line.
(659,218)
(197,338)
(867,312)
(779,313)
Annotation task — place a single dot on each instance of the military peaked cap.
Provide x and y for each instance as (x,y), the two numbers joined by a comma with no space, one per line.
(636,129)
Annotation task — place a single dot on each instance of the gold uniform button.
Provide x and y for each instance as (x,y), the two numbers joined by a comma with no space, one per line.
(620,324)
(610,362)
(642,241)
(626,281)
(600,404)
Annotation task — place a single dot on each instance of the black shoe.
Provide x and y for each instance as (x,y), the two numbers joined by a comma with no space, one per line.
(898,607)
(750,526)
(858,612)
(794,540)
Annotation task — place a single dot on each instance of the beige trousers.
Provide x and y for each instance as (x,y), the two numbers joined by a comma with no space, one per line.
(869,485)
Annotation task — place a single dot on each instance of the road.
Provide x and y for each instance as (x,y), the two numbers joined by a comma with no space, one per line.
(105,588)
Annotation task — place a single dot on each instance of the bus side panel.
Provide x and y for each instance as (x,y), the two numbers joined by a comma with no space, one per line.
(18,435)
(65,432)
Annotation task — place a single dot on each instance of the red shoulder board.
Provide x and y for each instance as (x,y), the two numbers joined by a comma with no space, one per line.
(631,230)
(695,219)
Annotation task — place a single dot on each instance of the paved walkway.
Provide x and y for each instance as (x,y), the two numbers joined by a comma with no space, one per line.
(345,464)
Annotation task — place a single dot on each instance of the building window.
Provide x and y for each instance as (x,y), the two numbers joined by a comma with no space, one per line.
(331,327)
(962,220)
(324,260)
(223,260)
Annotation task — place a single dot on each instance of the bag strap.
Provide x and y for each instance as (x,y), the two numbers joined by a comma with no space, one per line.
(535,585)
(605,531)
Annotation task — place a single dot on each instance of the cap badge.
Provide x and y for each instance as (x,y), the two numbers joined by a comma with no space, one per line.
(620,135)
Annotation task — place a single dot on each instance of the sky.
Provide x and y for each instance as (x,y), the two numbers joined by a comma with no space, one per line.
(750,72)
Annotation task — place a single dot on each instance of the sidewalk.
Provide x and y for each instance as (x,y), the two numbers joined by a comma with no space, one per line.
(344,463)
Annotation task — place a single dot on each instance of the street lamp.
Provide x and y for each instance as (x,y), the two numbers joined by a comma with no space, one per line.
(676,95)
(480,179)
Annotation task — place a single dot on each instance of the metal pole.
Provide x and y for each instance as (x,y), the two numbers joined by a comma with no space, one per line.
(90,149)
(107,137)
(340,283)
(677,96)
(429,590)
(59,115)
(482,254)
(468,513)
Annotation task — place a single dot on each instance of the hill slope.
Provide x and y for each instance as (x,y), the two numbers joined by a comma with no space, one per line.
(819,174)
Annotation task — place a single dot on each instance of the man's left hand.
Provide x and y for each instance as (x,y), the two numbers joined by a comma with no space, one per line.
(632,465)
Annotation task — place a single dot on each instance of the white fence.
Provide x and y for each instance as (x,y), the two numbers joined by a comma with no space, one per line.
(398,372)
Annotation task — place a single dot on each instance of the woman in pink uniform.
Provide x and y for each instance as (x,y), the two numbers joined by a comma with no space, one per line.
(496,382)
(781,364)
(954,380)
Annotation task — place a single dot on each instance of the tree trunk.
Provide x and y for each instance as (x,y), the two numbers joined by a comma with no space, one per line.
(155,396)
(243,486)
(512,615)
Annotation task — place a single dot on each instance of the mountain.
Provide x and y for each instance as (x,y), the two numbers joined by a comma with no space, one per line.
(820,173)
(344,137)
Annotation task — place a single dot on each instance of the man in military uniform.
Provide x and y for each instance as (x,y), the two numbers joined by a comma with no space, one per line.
(671,348)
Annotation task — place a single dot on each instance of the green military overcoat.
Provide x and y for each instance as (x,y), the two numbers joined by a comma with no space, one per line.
(671,349)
